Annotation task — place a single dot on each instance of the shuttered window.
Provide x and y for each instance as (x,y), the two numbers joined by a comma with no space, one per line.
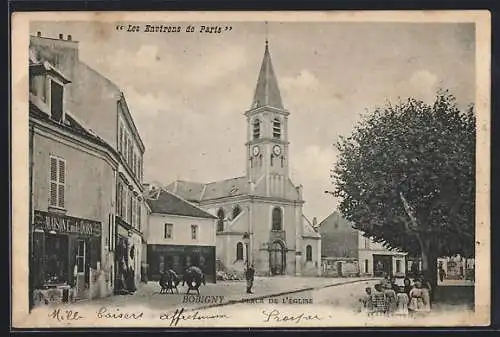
(57,182)
(139,215)
(120,139)
(119,199)
(133,221)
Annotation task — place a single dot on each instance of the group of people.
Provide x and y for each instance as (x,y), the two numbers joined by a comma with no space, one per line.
(390,298)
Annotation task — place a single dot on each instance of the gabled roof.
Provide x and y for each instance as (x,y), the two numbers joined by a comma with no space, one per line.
(335,223)
(226,188)
(309,230)
(169,203)
(197,192)
(267,92)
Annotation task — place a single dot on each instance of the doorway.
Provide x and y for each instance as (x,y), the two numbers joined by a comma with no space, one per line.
(382,265)
(81,266)
(277,258)
(339,269)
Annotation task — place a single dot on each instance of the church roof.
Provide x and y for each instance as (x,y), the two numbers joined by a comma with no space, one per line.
(224,188)
(219,189)
(168,203)
(267,92)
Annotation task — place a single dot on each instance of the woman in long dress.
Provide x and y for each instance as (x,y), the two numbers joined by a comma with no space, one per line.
(402,302)
(419,302)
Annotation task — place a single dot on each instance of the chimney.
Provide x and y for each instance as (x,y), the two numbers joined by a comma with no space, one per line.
(39,34)
(69,37)
(61,36)
(315,222)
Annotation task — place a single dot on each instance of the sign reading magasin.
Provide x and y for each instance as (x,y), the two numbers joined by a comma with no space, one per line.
(66,224)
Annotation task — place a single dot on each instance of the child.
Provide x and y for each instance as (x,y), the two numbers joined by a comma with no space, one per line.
(390,299)
(402,302)
(378,300)
(366,301)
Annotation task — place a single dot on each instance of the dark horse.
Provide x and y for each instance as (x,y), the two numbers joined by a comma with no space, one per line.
(169,280)
(194,277)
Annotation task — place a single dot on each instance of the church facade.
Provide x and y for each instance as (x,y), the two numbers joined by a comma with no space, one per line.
(259,215)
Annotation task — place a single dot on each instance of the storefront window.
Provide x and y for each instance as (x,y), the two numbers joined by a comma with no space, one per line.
(56,254)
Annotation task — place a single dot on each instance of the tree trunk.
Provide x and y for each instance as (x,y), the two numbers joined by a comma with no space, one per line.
(429,263)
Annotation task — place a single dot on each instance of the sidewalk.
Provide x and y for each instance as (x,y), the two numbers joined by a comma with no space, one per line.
(221,293)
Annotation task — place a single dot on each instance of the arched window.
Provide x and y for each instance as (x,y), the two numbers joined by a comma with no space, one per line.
(236,211)
(220,222)
(256,129)
(239,251)
(309,253)
(277,219)
(276,128)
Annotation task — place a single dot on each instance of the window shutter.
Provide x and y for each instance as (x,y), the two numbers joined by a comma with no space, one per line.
(62,180)
(53,194)
(53,182)
(139,215)
(134,212)
(61,196)
(53,169)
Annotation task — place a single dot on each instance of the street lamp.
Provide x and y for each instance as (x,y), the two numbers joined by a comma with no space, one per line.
(246,240)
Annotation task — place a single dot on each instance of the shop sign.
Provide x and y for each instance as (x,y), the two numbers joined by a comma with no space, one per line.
(66,224)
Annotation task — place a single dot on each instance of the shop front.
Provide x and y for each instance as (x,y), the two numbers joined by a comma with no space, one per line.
(66,251)
(180,257)
(127,257)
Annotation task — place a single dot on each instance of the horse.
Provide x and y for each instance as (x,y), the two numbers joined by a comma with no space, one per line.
(194,277)
(169,281)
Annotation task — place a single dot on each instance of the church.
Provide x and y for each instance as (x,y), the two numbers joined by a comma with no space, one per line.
(259,216)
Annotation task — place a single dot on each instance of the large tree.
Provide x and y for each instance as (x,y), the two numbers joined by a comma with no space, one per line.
(406,177)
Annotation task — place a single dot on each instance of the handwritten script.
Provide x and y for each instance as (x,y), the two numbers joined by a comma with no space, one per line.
(65,315)
(179,315)
(278,316)
(116,313)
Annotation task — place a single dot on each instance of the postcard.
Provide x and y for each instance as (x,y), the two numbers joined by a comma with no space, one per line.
(250,169)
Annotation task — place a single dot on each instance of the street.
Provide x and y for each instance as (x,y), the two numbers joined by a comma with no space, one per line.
(224,292)
(276,301)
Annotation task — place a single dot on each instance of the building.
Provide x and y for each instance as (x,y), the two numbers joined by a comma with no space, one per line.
(71,187)
(261,212)
(346,251)
(100,105)
(179,234)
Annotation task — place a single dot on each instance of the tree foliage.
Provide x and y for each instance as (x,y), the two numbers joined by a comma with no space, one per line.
(425,153)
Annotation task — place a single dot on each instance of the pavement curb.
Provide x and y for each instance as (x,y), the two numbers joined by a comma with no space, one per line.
(243,300)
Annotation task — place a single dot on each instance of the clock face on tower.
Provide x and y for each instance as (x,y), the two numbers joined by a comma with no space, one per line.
(255,150)
(277,150)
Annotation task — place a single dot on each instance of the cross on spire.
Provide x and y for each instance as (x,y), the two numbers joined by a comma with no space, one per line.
(267,92)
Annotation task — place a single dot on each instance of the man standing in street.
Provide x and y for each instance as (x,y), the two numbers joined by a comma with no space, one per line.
(249,275)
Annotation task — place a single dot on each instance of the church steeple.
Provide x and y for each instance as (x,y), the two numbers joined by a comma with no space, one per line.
(267,132)
(267,92)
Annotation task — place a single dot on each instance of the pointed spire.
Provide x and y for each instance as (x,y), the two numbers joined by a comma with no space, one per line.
(267,92)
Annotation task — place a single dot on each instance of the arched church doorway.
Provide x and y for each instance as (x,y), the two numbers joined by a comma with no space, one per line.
(277,258)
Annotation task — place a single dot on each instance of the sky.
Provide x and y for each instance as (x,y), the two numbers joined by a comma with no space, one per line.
(187,92)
